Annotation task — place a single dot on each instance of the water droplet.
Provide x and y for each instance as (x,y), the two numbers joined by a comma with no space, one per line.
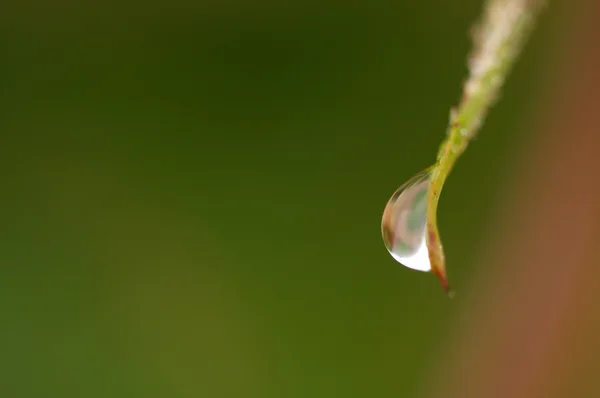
(404,223)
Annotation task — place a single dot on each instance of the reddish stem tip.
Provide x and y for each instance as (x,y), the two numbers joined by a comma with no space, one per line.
(444,280)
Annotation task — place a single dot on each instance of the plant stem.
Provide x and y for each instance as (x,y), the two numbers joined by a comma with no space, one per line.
(498,40)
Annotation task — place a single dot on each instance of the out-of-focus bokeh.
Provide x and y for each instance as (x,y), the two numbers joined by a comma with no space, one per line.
(192,193)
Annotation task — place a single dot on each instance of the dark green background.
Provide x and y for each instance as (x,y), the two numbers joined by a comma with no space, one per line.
(191,194)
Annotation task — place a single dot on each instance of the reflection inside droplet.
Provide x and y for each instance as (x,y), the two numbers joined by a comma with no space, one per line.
(404,223)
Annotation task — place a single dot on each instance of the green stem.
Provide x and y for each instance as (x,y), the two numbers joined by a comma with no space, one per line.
(498,41)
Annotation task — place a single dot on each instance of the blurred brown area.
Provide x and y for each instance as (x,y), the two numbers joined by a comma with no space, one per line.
(531,326)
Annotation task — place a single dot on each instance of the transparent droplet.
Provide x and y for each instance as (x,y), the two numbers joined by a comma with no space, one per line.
(404,223)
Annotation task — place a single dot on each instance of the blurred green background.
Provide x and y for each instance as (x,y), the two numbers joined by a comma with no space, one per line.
(192,194)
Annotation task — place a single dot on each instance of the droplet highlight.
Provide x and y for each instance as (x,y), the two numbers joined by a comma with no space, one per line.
(404,223)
